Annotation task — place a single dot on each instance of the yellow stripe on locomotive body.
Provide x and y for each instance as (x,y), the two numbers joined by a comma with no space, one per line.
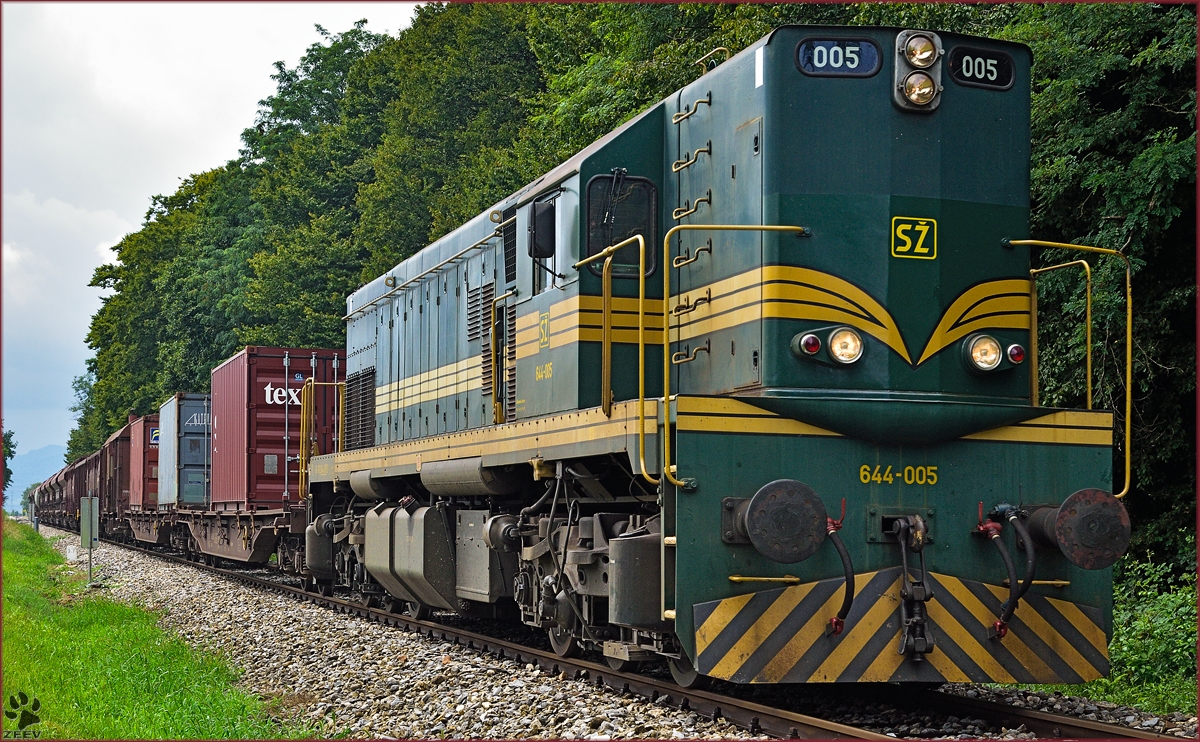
(870,370)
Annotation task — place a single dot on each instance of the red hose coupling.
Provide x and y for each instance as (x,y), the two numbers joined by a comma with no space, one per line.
(991,529)
(832,525)
(999,629)
(835,626)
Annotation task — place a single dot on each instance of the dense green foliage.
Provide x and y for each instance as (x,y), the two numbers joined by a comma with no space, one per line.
(373,146)
(10,450)
(1153,649)
(103,670)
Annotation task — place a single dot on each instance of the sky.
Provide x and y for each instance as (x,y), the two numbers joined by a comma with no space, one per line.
(103,106)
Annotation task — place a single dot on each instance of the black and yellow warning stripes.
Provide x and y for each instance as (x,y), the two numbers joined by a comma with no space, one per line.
(778,636)
(730,415)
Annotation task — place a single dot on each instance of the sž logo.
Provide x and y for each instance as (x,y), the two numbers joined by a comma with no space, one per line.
(279,395)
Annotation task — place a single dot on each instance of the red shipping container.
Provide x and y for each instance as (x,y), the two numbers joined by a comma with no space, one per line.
(143,463)
(256,398)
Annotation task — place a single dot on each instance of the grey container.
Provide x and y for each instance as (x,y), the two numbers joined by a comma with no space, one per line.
(184,456)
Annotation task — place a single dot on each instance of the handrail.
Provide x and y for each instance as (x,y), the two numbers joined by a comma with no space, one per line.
(308,443)
(679,165)
(678,214)
(1033,344)
(702,60)
(606,375)
(1128,338)
(497,405)
(666,447)
(497,232)
(685,259)
(689,112)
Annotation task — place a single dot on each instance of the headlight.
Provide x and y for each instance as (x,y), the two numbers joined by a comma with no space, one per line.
(984,352)
(919,88)
(845,345)
(920,51)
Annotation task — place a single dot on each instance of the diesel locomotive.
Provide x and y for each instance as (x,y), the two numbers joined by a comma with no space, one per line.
(749,385)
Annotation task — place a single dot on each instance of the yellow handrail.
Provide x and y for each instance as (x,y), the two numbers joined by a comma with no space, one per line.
(497,405)
(1033,338)
(1128,339)
(308,439)
(606,374)
(666,447)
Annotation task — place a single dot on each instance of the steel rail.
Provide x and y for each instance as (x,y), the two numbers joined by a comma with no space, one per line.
(754,717)
(1039,722)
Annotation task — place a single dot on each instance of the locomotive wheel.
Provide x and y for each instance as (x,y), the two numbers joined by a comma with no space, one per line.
(621,665)
(563,642)
(416,611)
(685,675)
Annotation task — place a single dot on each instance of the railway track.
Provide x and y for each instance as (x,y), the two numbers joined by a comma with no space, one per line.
(755,717)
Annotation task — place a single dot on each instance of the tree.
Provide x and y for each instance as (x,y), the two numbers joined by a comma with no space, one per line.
(10,450)
(27,498)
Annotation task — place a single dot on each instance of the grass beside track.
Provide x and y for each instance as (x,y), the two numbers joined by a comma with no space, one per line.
(104,670)
(1153,649)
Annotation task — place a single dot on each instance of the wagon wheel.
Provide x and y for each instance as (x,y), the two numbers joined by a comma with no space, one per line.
(563,642)
(621,665)
(415,610)
(685,675)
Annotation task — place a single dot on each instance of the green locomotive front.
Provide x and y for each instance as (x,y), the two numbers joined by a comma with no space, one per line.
(862,486)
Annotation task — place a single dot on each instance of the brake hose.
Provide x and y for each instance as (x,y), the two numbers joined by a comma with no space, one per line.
(1006,610)
(1030,555)
(839,622)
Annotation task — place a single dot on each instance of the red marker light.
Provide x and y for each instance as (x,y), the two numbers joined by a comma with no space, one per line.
(810,344)
(1016,353)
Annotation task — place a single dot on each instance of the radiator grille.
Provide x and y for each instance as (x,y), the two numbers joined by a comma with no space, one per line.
(482,320)
(360,410)
(510,247)
(510,367)
(479,306)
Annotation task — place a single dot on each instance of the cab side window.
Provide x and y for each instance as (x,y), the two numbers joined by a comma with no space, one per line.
(620,206)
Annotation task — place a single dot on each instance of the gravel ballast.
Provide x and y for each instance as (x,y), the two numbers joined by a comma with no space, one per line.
(344,673)
(340,673)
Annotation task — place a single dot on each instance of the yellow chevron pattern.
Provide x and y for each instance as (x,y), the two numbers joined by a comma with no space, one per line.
(778,636)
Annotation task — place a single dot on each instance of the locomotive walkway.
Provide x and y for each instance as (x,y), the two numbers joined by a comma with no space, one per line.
(541,694)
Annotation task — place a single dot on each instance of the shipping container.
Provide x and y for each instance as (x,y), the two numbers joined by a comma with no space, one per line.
(114,473)
(256,423)
(143,463)
(184,459)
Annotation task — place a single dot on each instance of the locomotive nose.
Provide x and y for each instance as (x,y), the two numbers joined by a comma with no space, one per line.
(1091,528)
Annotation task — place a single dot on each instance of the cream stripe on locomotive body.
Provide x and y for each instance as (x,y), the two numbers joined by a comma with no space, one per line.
(861,381)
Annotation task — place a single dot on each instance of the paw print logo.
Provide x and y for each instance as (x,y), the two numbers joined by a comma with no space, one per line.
(18,710)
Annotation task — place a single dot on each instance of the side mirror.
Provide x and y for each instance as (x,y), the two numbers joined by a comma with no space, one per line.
(542,231)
